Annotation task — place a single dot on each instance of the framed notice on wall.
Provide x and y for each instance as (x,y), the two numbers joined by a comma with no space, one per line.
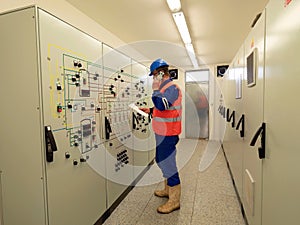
(252,68)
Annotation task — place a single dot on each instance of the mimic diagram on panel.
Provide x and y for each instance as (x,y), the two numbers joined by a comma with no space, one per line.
(120,118)
(140,122)
(117,117)
(91,103)
(80,108)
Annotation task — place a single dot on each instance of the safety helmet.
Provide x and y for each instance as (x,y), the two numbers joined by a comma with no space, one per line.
(157,64)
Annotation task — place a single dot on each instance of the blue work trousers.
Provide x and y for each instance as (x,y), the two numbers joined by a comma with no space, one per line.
(166,158)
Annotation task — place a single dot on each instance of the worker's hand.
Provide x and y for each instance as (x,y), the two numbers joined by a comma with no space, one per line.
(146,110)
(156,84)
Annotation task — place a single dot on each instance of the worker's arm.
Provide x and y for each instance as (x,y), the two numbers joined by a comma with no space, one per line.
(165,100)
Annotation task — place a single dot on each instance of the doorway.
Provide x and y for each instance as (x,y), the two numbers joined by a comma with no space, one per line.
(197,104)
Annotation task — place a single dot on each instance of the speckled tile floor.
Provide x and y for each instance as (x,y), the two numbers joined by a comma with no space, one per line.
(207,198)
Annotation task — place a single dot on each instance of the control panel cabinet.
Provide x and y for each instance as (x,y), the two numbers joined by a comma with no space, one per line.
(69,140)
(21,159)
(71,87)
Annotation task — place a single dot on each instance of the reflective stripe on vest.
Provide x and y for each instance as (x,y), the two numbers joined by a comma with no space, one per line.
(174,107)
(160,119)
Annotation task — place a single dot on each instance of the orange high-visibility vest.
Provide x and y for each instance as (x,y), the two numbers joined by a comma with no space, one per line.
(168,122)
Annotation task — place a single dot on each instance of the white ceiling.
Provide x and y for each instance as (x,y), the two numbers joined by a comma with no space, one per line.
(217,27)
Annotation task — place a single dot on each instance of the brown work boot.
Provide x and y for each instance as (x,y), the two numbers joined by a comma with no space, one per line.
(164,192)
(174,200)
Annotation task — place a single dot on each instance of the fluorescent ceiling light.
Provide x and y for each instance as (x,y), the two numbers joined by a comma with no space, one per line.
(185,35)
(190,50)
(174,5)
(182,27)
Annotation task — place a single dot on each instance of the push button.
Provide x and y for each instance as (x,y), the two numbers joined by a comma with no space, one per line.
(59,108)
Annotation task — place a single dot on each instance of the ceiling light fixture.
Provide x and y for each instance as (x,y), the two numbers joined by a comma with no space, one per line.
(174,5)
(190,50)
(185,36)
(182,27)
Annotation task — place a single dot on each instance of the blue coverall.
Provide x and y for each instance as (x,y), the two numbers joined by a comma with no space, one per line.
(166,145)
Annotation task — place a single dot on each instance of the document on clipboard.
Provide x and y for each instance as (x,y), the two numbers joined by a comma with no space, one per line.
(135,108)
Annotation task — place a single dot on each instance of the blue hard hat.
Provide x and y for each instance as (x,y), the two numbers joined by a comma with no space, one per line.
(157,64)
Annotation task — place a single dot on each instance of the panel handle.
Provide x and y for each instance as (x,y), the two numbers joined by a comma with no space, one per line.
(231,117)
(135,121)
(262,133)
(224,111)
(108,129)
(50,143)
(241,123)
(220,108)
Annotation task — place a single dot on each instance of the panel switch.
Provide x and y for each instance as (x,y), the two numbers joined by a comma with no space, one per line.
(59,108)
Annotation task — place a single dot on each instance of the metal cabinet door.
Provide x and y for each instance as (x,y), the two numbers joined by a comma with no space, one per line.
(253,97)
(21,162)
(71,76)
(281,196)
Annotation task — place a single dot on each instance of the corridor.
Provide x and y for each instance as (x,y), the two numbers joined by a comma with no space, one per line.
(208,197)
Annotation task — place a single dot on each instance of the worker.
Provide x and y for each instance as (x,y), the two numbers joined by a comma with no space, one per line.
(166,123)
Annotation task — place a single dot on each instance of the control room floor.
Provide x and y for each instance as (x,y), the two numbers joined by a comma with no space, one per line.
(207,197)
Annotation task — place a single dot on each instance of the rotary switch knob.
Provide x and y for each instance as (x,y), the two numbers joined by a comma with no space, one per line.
(75,162)
(67,155)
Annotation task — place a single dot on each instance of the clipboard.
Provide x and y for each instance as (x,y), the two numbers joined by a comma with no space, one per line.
(135,108)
